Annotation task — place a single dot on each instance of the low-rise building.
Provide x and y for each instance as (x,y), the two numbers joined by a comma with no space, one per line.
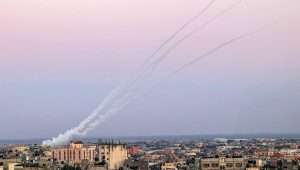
(113,155)
(222,163)
(253,168)
(74,153)
(169,166)
(1,165)
(14,166)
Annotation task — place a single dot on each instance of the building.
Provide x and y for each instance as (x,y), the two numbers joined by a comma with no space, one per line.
(20,148)
(75,153)
(134,150)
(253,168)
(169,166)
(14,166)
(222,163)
(113,155)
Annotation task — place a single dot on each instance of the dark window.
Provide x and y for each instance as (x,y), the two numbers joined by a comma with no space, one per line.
(238,165)
(206,165)
(215,165)
(229,165)
(59,155)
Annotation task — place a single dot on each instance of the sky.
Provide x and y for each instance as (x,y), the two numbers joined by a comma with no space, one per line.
(60,58)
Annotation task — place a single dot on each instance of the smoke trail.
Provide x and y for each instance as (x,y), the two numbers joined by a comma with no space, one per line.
(80,129)
(188,35)
(114,102)
(111,104)
(208,53)
(217,48)
(114,108)
(117,100)
(151,69)
(179,30)
(108,108)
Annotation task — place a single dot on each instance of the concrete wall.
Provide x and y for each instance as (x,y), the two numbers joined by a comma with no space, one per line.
(113,154)
(75,153)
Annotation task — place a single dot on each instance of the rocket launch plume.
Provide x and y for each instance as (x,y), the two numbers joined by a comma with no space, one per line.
(119,97)
(123,95)
(83,127)
(114,102)
(190,21)
(217,48)
(211,52)
(188,35)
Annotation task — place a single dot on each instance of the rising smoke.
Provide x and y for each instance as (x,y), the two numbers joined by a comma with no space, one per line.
(191,33)
(186,24)
(118,98)
(125,94)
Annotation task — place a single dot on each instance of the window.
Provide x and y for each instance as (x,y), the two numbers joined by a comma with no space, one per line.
(238,165)
(205,165)
(71,156)
(215,165)
(59,155)
(229,165)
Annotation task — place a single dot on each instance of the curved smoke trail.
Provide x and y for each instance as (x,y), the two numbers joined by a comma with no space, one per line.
(188,35)
(81,128)
(211,52)
(179,30)
(190,21)
(217,48)
(115,101)
(118,98)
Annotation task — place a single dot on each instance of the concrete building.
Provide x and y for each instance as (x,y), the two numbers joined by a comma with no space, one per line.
(14,166)
(113,155)
(75,153)
(222,163)
(20,148)
(169,166)
(253,168)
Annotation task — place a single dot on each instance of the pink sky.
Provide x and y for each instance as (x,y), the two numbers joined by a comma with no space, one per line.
(48,34)
(101,41)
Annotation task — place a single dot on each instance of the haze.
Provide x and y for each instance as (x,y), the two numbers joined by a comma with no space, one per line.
(60,58)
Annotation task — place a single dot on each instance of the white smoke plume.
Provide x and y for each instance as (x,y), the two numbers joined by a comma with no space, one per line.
(84,125)
(118,98)
(113,103)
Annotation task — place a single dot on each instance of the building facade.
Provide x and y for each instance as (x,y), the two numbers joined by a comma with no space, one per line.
(75,153)
(110,155)
(113,155)
(222,163)
(169,166)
